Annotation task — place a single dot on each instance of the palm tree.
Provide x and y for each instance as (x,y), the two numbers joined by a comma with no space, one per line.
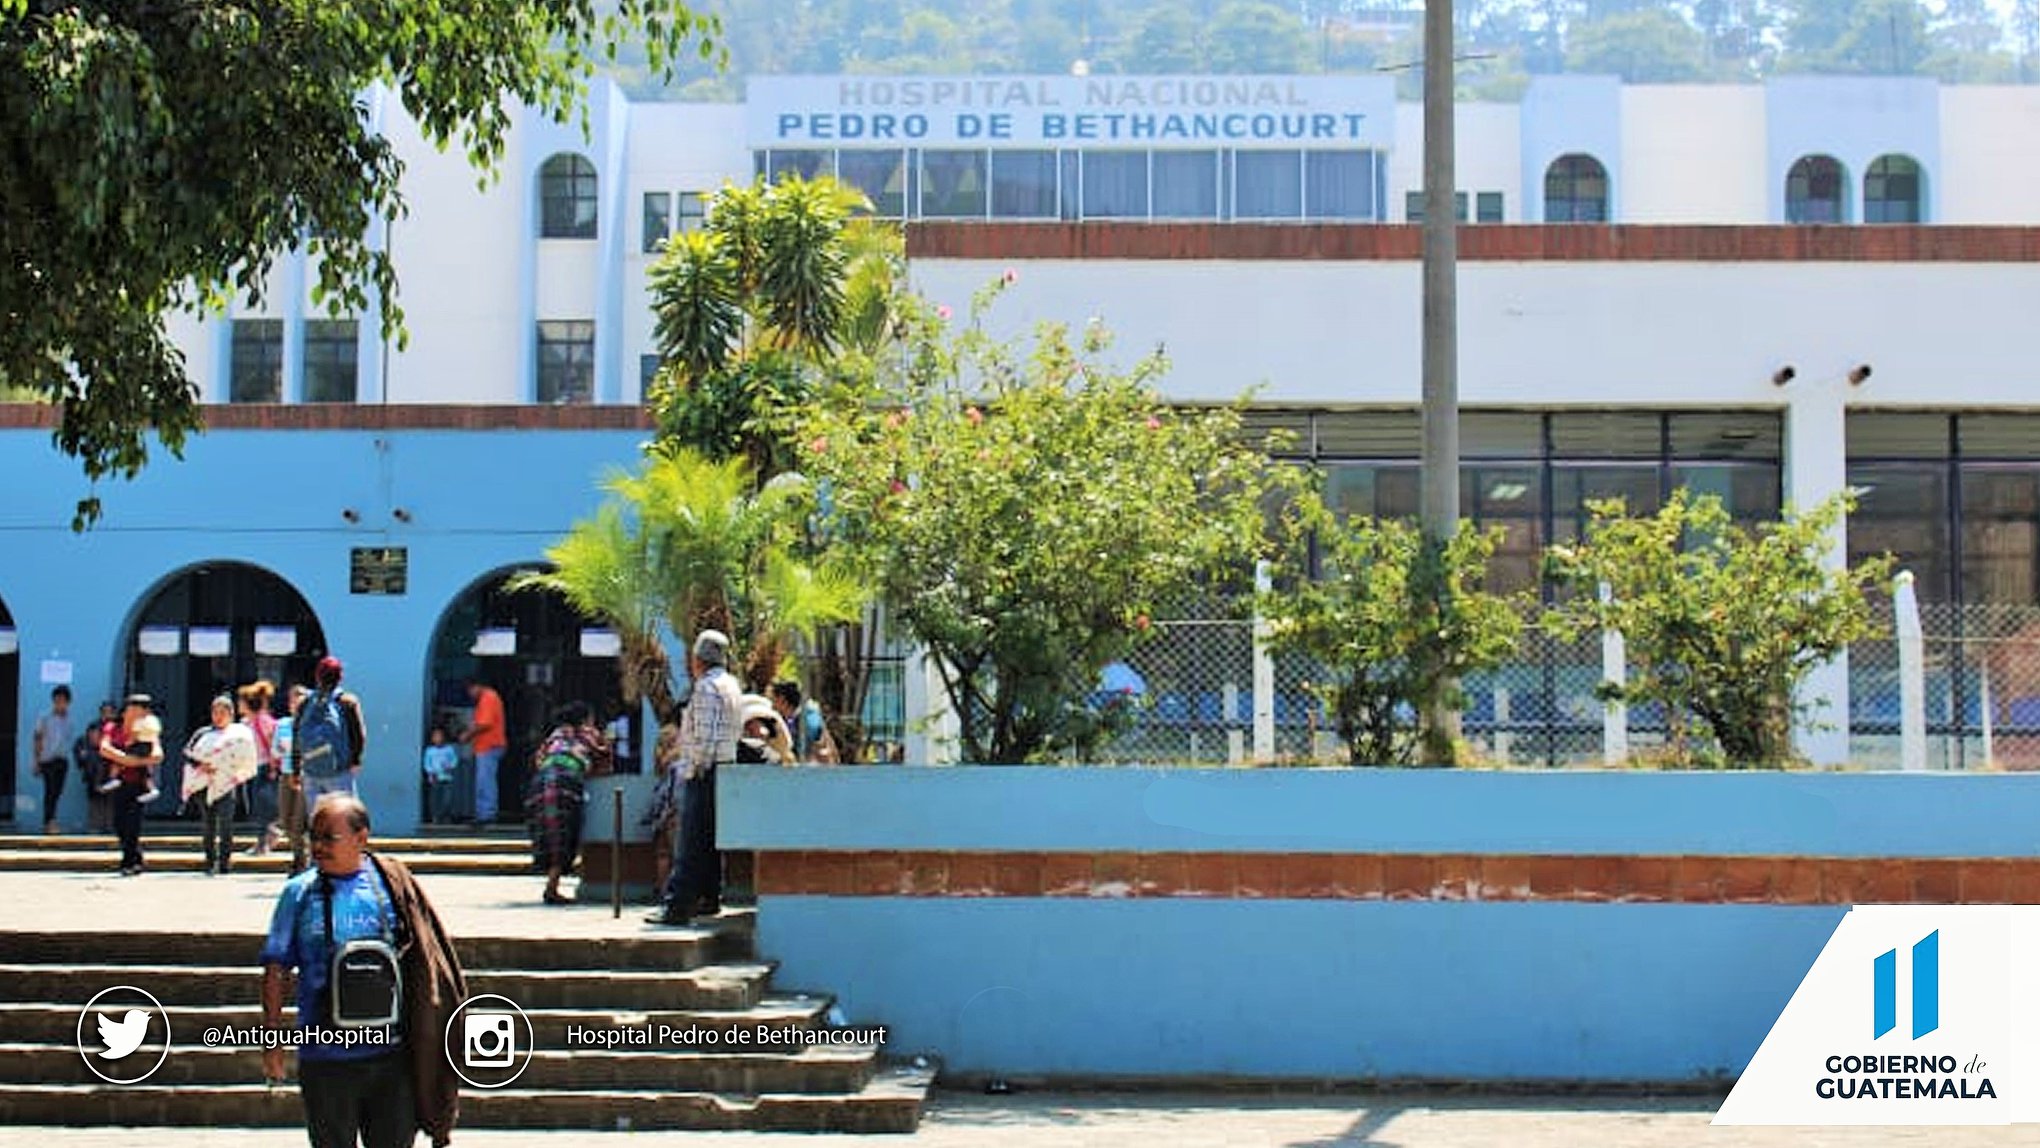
(687,543)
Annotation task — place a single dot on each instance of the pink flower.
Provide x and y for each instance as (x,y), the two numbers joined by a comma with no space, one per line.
(1154,423)
(893,421)
(943,312)
(820,445)
(898,487)
(975,415)
(1012,276)
(1140,622)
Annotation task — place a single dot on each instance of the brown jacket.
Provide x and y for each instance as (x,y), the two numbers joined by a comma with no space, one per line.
(433,989)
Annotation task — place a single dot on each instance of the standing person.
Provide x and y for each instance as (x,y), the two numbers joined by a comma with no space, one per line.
(574,751)
(486,736)
(440,762)
(218,760)
(812,742)
(291,815)
(50,751)
(386,1089)
(93,769)
(328,736)
(708,738)
(262,788)
(134,755)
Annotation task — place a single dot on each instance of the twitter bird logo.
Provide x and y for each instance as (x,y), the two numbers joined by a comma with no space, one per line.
(125,1035)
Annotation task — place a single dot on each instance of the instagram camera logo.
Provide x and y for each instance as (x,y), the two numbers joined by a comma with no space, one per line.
(489,1039)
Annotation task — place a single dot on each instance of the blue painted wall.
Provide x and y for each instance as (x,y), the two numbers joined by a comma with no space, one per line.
(1328,989)
(479,501)
(1374,811)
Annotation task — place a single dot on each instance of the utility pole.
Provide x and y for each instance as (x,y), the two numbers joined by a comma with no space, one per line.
(1440,475)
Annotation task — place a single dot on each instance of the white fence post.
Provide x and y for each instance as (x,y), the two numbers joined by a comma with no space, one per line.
(1264,677)
(1614,671)
(1912,674)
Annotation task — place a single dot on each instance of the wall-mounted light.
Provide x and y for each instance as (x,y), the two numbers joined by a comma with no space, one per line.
(1783,375)
(1859,375)
(351,515)
(400,514)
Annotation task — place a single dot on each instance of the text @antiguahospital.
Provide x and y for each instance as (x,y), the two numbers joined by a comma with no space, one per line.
(754,1038)
(258,1036)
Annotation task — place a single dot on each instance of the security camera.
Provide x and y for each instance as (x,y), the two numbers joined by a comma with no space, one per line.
(1861,373)
(351,515)
(1783,375)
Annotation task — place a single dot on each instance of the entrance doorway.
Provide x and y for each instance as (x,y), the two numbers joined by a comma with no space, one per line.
(210,630)
(538,652)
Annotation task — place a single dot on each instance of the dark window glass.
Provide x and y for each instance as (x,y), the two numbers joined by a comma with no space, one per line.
(1413,206)
(1894,191)
(1115,185)
(693,207)
(658,218)
(1511,498)
(1751,491)
(1903,511)
(566,189)
(1754,435)
(648,374)
(880,175)
(1501,434)
(2000,434)
(1816,191)
(806,163)
(1891,434)
(1575,190)
(1606,434)
(1023,185)
(2001,535)
(953,184)
(566,362)
(1488,207)
(1186,184)
(1572,487)
(256,363)
(332,355)
(1339,184)
(1268,185)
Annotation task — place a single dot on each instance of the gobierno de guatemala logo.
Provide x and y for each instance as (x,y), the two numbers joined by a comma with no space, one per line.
(1907,1016)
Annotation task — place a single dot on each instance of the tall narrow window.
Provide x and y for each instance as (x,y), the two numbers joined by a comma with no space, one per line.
(1576,190)
(1023,185)
(880,175)
(1115,185)
(1338,184)
(566,362)
(1817,191)
(953,184)
(332,360)
(566,191)
(1185,184)
(658,219)
(256,363)
(1267,185)
(693,207)
(1894,190)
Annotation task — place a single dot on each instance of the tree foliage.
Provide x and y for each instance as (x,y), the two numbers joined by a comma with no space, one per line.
(1392,625)
(1721,623)
(1026,510)
(161,155)
(687,543)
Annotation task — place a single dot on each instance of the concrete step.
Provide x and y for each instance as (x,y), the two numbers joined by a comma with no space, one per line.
(719,986)
(105,858)
(890,1102)
(668,950)
(39,1023)
(833,1070)
(244,836)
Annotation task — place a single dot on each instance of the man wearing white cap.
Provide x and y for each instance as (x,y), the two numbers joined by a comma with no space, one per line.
(708,738)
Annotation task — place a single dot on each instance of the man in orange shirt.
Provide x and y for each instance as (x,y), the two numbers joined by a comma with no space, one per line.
(486,735)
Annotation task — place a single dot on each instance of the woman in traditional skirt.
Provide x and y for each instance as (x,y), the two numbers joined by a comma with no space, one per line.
(574,751)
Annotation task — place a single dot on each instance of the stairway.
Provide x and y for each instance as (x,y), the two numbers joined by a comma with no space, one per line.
(686,977)
(182,850)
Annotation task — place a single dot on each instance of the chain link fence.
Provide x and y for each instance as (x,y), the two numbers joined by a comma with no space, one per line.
(1982,690)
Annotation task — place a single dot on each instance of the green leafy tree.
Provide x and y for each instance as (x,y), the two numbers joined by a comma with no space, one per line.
(1721,623)
(1256,36)
(1651,46)
(1392,624)
(687,543)
(1869,37)
(160,155)
(1026,511)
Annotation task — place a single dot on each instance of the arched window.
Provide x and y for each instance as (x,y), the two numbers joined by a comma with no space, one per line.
(1576,190)
(566,192)
(1817,191)
(1895,190)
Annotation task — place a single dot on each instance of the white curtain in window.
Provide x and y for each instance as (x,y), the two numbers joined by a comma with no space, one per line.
(1023,185)
(1268,184)
(1115,185)
(1186,185)
(1339,185)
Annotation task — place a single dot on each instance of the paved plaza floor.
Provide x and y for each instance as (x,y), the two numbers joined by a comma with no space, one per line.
(508,906)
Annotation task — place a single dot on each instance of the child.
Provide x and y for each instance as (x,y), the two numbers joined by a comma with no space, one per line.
(440,762)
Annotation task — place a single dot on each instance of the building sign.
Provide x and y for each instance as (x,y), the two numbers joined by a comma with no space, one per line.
(1071,111)
(378,570)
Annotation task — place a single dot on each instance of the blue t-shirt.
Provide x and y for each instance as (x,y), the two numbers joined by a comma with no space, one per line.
(297,939)
(440,762)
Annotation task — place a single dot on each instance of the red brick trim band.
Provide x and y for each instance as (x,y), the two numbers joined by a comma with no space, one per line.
(375,416)
(1535,243)
(1406,877)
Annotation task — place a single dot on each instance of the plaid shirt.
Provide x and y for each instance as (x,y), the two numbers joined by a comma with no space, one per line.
(709,729)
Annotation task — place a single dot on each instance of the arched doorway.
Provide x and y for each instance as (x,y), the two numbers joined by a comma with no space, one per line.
(539,653)
(208,630)
(10,713)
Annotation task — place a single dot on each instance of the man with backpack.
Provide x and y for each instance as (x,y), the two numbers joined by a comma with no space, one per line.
(327,736)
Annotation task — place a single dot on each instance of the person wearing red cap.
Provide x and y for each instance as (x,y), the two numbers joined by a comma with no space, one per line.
(328,737)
